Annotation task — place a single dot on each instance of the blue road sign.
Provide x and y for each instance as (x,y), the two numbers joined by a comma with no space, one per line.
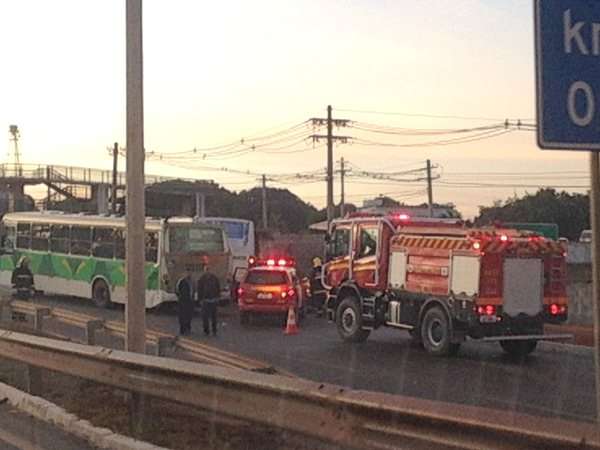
(567,36)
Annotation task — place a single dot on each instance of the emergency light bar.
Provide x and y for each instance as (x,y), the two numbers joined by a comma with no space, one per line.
(272,261)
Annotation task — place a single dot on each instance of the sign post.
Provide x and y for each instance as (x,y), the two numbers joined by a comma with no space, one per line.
(567,45)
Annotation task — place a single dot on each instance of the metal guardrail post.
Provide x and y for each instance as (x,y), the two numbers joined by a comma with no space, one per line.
(90,331)
(38,318)
(164,344)
(5,309)
(34,380)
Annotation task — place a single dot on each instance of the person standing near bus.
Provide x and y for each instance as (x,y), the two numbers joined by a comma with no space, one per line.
(185,295)
(209,291)
(22,279)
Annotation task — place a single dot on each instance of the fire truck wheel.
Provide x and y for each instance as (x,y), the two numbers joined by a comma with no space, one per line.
(349,321)
(518,348)
(436,334)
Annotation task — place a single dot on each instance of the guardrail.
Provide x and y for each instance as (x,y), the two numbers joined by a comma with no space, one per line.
(163,342)
(354,419)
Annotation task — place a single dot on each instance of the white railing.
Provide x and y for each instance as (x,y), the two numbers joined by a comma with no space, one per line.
(76,175)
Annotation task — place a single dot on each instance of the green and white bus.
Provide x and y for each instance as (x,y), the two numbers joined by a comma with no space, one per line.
(84,255)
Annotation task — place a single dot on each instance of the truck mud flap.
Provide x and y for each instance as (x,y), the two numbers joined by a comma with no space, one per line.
(529,337)
(331,315)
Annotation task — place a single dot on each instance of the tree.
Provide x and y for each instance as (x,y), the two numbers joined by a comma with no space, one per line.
(570,212)
(286,212)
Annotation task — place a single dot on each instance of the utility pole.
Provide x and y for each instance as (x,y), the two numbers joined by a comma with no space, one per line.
(595,250)
(113,193)
(135,308)
(342,199)
(200,204)
(429,189)
(329,167)
(330,122)
(265,217)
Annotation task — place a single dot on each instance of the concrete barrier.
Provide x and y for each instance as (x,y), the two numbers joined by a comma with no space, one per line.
(579,253)
(50,413)
(580,304)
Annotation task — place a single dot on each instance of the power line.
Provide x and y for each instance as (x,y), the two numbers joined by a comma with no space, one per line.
(372,128)
(506,185)
(431,116)
(555,172)
(462,140)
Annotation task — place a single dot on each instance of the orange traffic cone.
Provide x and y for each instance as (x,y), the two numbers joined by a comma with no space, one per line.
(291,326)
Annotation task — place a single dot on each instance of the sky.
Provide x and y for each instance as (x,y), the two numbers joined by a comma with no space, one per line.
(217,72)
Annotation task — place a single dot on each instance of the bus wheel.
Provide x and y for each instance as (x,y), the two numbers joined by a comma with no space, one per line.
(101,294)
(436,333)
(518,349)
(349,321)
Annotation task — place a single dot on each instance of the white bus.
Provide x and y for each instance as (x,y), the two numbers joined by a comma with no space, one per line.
(240,233)
(84,255)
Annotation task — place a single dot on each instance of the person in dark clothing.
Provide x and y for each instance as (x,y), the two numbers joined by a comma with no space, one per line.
(185,295)
(22,279)
(209,291)
(317,291)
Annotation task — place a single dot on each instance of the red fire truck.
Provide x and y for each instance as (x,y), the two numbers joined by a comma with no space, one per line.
(443,282)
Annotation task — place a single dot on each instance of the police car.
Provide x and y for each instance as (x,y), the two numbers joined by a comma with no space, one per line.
(271,286)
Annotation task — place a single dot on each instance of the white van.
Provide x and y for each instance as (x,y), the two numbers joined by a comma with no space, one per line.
(586,236)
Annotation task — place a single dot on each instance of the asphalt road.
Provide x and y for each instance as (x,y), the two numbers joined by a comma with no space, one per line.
(20,431)
(556,381)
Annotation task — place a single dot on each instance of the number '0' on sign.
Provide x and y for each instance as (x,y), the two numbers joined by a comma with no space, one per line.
(574,42)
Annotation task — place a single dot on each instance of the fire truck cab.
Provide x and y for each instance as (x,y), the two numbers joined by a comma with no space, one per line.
(443,282)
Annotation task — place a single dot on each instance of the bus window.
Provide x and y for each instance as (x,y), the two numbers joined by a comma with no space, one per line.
(206,240)
(40,233)
(23,235)
(59,239)
(235,230)
(119,237)
(81,242)
(9,237)
(151,246)
(196,239)
(103,245)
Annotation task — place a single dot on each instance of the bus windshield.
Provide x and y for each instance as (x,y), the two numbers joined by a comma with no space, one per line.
(196,239)
(236,230)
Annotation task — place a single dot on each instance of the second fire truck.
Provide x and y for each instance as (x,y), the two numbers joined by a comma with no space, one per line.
(443,282)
